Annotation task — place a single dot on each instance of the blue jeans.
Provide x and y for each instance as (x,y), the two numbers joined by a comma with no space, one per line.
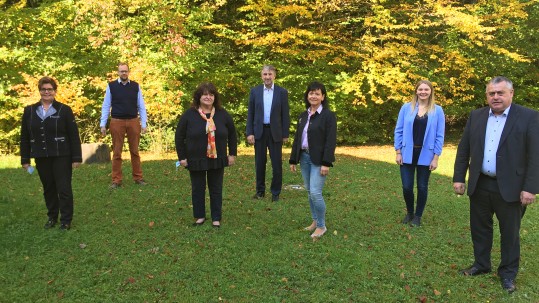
(314,182)
(407,177)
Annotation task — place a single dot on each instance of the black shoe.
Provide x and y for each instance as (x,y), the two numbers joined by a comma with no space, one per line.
(258,196)
(416,221)
(50,223)
(407,218)
(65,226)
(140,182)
(509,285)
(274,198)
(474,271)
(115,185)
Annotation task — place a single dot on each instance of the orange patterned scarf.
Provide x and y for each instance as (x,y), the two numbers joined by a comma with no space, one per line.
(210,130)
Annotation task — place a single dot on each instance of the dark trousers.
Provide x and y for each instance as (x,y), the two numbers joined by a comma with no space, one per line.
(485,202)
(55,174)
(407,178)
(276,155)
(198,191)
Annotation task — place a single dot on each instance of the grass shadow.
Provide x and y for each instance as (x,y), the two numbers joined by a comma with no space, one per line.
(137,243)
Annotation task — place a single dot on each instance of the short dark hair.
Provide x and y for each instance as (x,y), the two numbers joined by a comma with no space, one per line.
(500,79)
(312,87)
(203,88)
(47,80)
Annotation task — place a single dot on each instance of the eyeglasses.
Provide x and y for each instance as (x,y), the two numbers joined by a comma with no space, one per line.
(46,90)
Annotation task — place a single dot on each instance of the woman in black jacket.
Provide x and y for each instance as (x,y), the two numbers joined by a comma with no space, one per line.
(202,136)
(314,149)
(49,134)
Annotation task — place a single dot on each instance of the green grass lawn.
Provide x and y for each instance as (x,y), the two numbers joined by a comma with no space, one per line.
(136,244)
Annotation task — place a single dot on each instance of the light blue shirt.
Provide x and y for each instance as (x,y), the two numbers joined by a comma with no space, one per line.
(268,100)
(41,113)
(105,109)
(304,137)
(493,134)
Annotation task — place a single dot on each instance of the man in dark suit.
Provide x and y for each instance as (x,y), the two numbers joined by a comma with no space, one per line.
(268,123)
(500,147)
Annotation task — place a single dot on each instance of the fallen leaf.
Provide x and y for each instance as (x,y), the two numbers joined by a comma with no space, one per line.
(407,287)
(402,275)
(437,293)
(284,279)
(60,295)
(422,299)
(131,280)
(335,232)
(151,224)
(82,245)
(50,281)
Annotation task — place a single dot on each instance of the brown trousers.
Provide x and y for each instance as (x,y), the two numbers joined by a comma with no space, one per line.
(119,128)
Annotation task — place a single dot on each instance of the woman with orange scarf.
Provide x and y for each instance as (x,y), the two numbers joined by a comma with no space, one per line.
(202,136)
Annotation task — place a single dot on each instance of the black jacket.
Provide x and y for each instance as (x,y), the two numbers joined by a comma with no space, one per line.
(322,136)
(192,140)
(517,157)
(56,136)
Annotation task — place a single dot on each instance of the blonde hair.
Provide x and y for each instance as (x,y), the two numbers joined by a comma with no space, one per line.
(430,104)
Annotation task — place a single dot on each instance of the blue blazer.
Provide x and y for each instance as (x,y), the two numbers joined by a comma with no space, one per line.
(279,116)
(434,134)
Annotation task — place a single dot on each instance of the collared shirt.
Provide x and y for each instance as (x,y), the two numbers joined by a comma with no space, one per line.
(304,138)
(44,114)
(493,134)
(268,100)
(105,109)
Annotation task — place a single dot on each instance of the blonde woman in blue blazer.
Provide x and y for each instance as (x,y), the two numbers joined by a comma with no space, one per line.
(419,137)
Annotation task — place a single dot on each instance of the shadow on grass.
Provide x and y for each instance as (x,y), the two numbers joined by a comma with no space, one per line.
(137,243)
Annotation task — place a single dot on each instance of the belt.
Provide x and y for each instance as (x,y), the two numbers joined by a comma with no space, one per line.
(418,146)
(266,125)
(124,118)
(490,177)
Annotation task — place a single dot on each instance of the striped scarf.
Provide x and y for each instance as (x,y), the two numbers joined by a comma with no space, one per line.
(211,151)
